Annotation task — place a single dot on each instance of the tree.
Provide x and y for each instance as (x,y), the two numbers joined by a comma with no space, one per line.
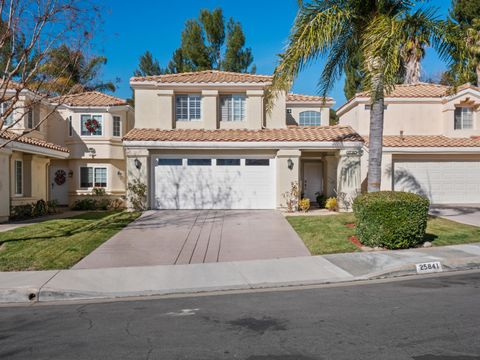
(29,32)
(340,28)
(465,11)
(208,44)
(353,75)
(148,66)
(73,71)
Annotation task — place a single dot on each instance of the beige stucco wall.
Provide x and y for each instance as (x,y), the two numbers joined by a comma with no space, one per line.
(295,109)
(4,185)
(285,175)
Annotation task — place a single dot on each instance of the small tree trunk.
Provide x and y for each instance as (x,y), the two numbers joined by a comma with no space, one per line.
(375,145)
(412,71)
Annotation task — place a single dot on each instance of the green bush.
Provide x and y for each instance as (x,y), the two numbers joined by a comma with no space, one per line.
(85,204)
(20,212)
(52,206)
(40,208)
(394,220)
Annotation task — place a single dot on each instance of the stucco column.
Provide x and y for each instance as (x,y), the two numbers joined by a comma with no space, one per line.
(285,174)
(210,108)
(254,109)
(27,175)
(331,164)
(166,103)
(348,178)
(138,170)
(4,184)
(39,176)
(387,172)
(325,116)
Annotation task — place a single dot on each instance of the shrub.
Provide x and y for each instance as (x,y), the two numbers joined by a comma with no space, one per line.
(321,200)
(331,204)
(98,191)
(138,195)
(85,204)
(20,212)
(40,208)
(52,206)
(103,204)
(395,220)
(291,197)
(304,204)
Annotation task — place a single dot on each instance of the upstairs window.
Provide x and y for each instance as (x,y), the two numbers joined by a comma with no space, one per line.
(33,114)
(4,106)
(188,107)
(117,126)
(309,118)
(91,125)
(463,118)
(232,107)
(70,126)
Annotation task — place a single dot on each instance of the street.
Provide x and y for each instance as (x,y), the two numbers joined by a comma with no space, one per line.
(432,318)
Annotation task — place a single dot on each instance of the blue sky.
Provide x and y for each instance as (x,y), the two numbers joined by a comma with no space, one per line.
(131,27)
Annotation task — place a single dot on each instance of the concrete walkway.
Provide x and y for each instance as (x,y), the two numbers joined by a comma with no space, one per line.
(171,279)
(198,236)
(465,214)
(60,215)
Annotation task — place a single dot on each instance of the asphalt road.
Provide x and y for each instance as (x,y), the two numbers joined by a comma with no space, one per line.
(425,319)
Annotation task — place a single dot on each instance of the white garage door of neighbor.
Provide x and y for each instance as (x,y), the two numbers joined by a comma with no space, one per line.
(443,182)
(214,183)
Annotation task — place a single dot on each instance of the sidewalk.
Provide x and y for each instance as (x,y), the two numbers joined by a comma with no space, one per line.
(195,278)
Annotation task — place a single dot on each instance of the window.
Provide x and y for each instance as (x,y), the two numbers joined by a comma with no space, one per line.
(310,118)
(228,162)
(4,106)
(117,126)
(30,119)
(232,107)
(369,107)
(93,177)
(70,126)
(187,107)
(463,118)
(257,162)
(18,177)
(170,162)
(199,162)
(96,121)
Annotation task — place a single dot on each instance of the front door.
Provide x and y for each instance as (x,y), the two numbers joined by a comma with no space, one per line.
(312,179)
(59,184)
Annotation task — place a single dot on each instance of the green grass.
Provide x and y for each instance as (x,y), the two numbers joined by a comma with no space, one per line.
(59,244)
(329,235)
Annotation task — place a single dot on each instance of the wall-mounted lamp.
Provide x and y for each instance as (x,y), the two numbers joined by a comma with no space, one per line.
(119,173)
(290,164)
(138,164)
(92,152)
(70,173)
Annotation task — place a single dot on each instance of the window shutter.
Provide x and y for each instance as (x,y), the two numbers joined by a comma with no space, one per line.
(458,119)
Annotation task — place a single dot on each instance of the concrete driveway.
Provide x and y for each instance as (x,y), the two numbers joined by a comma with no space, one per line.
(465,214)
(198,236)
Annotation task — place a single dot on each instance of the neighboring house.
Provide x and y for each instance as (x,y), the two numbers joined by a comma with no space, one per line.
(431,140)
(205,140)
(60,160)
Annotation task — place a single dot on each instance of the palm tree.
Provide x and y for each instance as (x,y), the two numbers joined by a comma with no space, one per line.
(338,28)
(68,70)
(472,43)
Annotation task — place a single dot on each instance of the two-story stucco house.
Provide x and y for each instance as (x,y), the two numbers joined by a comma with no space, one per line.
(205,140)
(62,160)
(431,140)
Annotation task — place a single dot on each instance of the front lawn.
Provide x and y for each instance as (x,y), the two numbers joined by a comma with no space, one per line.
(59,244)
(329,234)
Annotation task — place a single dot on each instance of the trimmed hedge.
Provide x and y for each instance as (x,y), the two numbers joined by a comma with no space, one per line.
(390,219)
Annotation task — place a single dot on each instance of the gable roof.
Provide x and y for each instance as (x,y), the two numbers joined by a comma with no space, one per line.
(205,77)
(314,133)
(10,135)
(427,141)
(89,98)
(420,90)
(307,98)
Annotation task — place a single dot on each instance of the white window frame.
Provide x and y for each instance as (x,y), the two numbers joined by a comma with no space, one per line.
(114,117)
(16,192)
(232,102)
(189,110)
(102,125)
(309,112)
(93,180)
(462,126)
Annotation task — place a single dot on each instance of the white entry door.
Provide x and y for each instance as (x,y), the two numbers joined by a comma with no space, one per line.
(443,182)
(312,179)
(214,183)
(59,184)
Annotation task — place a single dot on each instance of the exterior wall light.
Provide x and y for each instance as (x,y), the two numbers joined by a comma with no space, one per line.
(138,164)
(70,173)
(119,173)
(290,164)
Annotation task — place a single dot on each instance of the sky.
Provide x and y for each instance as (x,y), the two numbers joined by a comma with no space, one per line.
(130,28)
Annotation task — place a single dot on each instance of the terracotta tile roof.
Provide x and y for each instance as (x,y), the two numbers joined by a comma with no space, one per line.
(9,135)
(207,76)
(427,141)
(319,133)
(90,98)
(419,90)
(306,98)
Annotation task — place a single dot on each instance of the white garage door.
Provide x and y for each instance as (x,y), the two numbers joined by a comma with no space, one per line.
(214,183)
(443,182)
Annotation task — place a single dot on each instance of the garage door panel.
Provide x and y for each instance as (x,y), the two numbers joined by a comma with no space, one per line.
(214,187)
(443,182)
